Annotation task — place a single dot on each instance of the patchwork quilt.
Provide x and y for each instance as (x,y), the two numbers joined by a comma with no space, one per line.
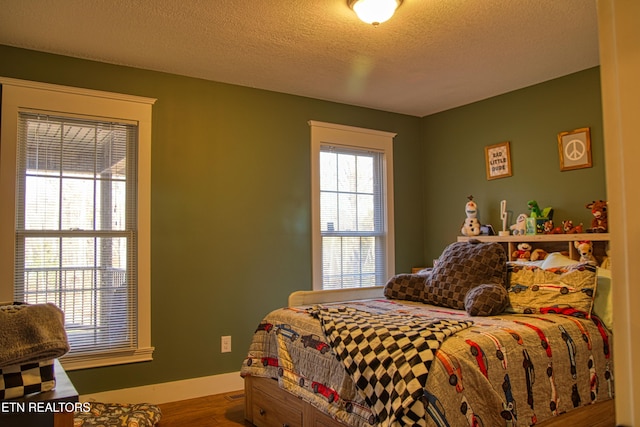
(396,363)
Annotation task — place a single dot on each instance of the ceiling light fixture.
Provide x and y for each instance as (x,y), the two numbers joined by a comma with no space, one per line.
(374,11)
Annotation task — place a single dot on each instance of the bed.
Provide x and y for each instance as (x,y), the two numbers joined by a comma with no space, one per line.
(411,353)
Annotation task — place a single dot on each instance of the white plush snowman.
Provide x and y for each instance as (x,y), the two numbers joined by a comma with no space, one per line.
(471,225)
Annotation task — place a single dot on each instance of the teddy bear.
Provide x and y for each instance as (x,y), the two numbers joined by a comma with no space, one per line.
(471,225)
(585,250)
(523,253)
(599,223)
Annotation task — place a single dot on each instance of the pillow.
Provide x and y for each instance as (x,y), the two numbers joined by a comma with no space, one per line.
(486,300)
(602,303)
(408,287)
(533,288)
(556,259)
(463,266)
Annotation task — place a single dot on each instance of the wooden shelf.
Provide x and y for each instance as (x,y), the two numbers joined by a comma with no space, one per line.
(548,242)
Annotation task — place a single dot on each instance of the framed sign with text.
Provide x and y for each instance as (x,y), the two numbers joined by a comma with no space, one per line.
(498,160)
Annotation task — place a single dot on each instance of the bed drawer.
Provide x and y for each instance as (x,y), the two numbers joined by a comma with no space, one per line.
(269,411)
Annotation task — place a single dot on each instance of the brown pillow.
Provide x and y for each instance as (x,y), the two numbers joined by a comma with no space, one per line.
(486,300)
(408,287)
(463,266)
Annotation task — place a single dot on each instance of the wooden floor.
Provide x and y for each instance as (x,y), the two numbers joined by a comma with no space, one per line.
(227,410)
(220,410)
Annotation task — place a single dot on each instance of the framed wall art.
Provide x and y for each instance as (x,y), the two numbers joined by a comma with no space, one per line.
(574,148)
(498,160)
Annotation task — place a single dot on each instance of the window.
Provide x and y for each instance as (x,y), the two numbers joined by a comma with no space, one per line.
(75,168)
(352,206)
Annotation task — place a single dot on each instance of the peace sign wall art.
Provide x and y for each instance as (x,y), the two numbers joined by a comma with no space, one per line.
(574,148)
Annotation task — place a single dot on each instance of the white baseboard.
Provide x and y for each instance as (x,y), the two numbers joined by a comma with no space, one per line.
(171,391)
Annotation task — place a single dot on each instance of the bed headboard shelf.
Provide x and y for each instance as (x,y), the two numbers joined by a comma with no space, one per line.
(549,242)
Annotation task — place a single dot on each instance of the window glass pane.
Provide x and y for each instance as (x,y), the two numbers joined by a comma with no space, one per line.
(77,203)
(111,205)
(79,149)
(332,262)
(328,211)
(365,212)
(365,174)
(347,173)
(44,146)
(347,212)
(42,198)
(328,171)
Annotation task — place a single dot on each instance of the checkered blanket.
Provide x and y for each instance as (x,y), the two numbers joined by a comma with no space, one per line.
(20,380)
(388,356)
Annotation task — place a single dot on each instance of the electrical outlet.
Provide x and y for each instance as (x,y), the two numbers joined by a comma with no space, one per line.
(225,344)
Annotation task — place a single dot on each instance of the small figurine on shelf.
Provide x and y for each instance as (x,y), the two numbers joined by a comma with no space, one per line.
(569,228)
(520,227)
(599,222)
(471,225)
(585,250)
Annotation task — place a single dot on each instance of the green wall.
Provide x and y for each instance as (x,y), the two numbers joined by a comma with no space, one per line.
(230,206)
(231,192)
(530,119)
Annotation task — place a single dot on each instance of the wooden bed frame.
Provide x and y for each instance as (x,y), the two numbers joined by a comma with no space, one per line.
(267,405)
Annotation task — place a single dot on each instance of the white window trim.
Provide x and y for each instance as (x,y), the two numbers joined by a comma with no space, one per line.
(21,94)
(349,136)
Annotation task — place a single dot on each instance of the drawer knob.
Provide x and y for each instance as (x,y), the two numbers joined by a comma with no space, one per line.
(262,411)
(285,425)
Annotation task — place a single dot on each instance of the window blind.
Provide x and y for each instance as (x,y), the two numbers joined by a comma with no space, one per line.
(352,217)
(76,226)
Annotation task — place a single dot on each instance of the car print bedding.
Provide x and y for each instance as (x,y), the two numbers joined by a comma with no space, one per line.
(508,369)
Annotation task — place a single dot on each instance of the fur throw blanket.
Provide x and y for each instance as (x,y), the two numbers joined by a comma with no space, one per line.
(31,333)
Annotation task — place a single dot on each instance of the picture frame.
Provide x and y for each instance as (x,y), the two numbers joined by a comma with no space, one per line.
(498,160)
(574,149)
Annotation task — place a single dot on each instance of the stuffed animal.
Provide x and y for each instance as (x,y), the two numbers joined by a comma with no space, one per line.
(523,253)
(599,223)
(536,212)
(471,225)
(550,229)
(538,254)
(520,227)
(568,227)
(585,249)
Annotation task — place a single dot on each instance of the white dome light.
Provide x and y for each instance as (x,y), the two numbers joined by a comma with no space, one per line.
(374,11)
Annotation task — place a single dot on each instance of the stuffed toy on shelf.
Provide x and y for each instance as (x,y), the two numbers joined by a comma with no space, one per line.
(569,228)
(520,227)
(549,228)
(599,223)
(471,225)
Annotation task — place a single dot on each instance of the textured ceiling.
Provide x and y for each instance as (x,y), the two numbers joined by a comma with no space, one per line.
(431,56)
